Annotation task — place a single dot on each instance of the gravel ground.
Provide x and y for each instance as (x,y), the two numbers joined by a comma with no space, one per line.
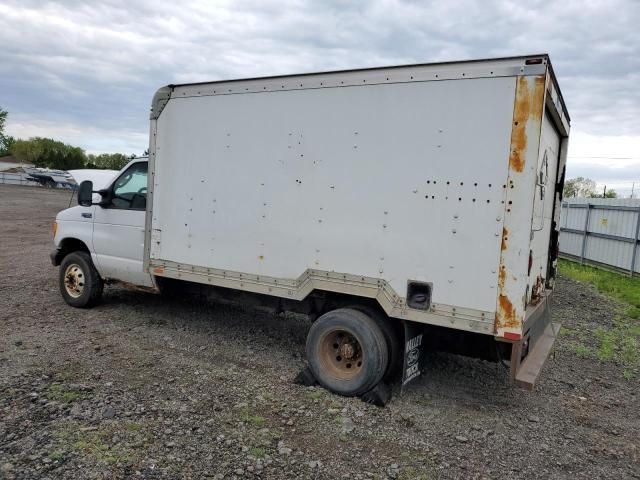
(143,387)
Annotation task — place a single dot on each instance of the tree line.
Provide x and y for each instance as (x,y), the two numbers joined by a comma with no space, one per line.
(50,153)
(585,187)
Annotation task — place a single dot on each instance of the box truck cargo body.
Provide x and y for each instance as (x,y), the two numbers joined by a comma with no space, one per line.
(430,192)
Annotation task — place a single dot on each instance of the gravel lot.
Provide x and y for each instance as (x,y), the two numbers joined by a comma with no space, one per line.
(144,387)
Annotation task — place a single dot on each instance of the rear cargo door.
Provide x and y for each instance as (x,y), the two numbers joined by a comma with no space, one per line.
(543,204)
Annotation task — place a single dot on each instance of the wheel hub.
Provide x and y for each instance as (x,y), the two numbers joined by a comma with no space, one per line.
(347,351)
(74,280)
(341,354)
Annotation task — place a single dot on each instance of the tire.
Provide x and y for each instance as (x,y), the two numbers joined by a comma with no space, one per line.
(347,352)
(394,348)
(80,282)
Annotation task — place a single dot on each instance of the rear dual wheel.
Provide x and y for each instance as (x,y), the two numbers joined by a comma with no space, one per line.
(347,351)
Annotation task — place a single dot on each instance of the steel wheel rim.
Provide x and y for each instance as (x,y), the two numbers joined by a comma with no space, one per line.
(341,354)
(74,280)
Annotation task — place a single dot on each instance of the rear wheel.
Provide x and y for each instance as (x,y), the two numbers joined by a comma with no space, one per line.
(391,336)
(347,351)
(80,282)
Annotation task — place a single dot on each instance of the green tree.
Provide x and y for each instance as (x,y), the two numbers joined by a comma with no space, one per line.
(6,144)
(579,187)
(107,161)
(49,153)
(605,194)
(6,141)
(3,121)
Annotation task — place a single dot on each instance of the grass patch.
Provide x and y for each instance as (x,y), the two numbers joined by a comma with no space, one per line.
(255,420)
(582,351)
(95,444)
(616,285)
(133,427)
(268,397)
(314,395)
(620,343)
(258,452)
(569,332)
(56,456)
(411,473)
(60,393)
(91,443)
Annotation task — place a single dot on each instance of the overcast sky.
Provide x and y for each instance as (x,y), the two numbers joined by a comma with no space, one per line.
(85,72)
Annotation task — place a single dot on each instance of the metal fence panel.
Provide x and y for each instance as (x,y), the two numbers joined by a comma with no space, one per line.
(610,252)
(570,243)
(613,222)
(15,179)
(602,231)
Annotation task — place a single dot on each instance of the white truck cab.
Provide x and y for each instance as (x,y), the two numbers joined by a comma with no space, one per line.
(108,231)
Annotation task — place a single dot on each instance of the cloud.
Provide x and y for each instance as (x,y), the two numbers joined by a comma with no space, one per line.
(88,70)
(612,160)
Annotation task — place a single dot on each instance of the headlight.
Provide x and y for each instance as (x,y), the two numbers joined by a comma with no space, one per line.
(54,228)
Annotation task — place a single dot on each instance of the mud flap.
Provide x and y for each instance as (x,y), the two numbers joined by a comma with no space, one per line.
(414,354)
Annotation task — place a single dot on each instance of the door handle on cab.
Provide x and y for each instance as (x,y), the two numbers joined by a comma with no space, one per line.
(87,215)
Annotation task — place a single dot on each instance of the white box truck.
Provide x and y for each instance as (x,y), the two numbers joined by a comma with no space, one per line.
(402,208)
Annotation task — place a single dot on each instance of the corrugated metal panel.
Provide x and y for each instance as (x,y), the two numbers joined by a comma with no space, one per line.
(629,202)
(602,230)
(574,218)
(570,243)
(611,252)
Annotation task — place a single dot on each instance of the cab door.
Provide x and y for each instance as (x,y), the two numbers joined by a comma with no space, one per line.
(118,228)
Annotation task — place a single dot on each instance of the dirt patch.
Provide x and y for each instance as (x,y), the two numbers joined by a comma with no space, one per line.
(143,387)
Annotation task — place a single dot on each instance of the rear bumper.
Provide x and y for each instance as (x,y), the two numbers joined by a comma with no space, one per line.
(529,355)
(529,369)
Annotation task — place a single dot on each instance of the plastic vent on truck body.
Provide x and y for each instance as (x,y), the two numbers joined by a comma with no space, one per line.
(419,295)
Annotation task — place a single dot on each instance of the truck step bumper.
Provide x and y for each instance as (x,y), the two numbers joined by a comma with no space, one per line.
(528,371)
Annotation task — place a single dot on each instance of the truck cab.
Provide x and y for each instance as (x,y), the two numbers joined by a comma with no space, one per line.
(102,238)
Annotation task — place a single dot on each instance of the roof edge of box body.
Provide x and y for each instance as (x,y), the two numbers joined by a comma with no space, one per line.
(420,72)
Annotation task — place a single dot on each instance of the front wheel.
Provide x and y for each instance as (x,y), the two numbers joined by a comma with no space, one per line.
(347,352)
(80,282)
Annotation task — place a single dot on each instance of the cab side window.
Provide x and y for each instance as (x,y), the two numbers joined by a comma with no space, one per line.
(130,189)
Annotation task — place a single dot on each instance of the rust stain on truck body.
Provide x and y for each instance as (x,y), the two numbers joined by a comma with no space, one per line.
(527,104)
(508,313)
(528,110)
(505,237)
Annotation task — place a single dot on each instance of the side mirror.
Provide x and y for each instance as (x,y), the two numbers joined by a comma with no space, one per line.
(85,193)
